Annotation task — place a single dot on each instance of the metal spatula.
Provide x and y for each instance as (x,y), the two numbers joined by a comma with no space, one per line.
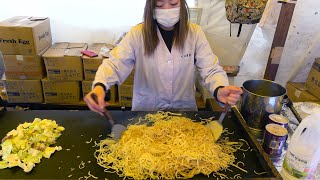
(216,127)
(117,128)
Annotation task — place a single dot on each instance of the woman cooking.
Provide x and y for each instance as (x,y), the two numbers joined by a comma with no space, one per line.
(165,51)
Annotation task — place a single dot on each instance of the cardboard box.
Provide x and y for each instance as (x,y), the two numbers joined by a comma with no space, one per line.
(125,95)
(313,81)
(130,79)
(63,61)
(24,66)
(91,64)
(3,93)
(86,88)
(298,93)
(1,81)
(126,92)
(24,35)
(61,92)
(125,101)
(23,91)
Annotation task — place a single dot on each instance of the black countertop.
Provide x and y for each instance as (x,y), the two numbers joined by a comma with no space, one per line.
(82,127)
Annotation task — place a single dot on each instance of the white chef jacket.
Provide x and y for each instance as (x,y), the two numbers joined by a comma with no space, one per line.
(164,80)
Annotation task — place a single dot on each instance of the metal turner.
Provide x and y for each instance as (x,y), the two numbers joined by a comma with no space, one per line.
(216,127)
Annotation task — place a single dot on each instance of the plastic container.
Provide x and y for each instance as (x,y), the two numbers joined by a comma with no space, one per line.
(303,155)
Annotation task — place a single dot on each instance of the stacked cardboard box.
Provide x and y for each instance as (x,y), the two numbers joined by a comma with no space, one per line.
(298,93)
(308,91)
(61,92)
(86,87)
(22,35)
(91,64)
(23,40)
(33,66)
(3,93)
(23,91)
(126,91)
(90,67)
(63,63)
(24,66)
(313,81)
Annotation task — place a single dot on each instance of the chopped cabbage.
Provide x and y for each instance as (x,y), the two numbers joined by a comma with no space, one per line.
(50,150)
(3,164)
(6,149)
(26,145)
(13,160)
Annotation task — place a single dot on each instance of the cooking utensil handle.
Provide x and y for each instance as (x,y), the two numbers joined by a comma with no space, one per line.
(226,107)
(106,98)
(295,113)
(105,113)
(108,116)
(224,112)
(94,97)
(293,110)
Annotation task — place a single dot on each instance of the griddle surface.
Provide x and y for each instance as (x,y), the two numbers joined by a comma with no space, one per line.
(81,126)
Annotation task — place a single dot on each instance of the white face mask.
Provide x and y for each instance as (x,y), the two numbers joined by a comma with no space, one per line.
(167,17)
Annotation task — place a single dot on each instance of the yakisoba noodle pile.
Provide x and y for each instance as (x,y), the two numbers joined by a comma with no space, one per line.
(172,148)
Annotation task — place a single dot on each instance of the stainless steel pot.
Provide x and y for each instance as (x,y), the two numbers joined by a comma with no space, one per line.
(260,99)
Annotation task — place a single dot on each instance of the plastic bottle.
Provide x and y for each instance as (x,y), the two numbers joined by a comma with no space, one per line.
(303,154)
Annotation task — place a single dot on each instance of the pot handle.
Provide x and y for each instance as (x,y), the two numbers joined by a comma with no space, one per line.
(289,103)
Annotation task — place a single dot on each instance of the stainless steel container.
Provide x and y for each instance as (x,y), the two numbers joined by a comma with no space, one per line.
(260,99)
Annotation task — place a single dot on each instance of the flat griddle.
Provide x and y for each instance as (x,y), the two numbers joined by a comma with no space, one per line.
(82,127)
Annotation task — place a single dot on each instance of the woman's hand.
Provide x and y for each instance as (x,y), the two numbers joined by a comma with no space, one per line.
(93,106)
(229,94)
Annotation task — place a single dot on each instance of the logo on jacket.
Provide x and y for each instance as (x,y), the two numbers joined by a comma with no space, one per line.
(186,56)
